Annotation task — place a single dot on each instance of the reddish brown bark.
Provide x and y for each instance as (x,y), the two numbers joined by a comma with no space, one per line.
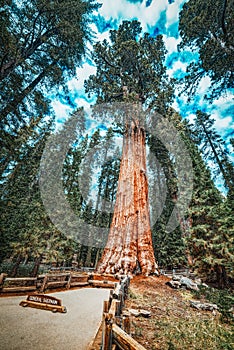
(129,244)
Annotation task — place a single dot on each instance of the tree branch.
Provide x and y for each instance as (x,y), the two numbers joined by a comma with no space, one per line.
(108,63)
(223,18)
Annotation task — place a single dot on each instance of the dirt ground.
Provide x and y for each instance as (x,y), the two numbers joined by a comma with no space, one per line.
(173,323)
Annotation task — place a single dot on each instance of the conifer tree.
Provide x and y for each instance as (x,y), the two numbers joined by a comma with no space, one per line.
(20,196)
(209,241)
(213,147)
(130,69)
(206,27)
(42,44)
(169,246)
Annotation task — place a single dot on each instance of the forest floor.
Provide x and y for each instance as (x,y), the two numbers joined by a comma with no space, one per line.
(174,324)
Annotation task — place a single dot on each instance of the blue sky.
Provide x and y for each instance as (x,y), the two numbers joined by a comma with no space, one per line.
(156,17)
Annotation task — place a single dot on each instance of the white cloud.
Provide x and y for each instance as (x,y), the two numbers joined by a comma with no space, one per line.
(173,12)
(225,99)
(82,73)
(148,16)
(177,66)
(81,102)
(191,117)
(61,112)
(99,36)
(204,85)
(222,123)
(171,43)
(123,9)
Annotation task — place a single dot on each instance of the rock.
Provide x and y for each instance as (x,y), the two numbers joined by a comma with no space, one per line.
(203,306)
(137,313)
(145,313)
(174,284)
(176,278)
(134,312)
(198,281)
(188,283)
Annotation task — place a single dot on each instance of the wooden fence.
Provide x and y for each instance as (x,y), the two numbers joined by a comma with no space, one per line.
(55,280)
(116,325)
(178,272)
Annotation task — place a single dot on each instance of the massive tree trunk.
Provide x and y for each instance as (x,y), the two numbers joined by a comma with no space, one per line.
(129,246)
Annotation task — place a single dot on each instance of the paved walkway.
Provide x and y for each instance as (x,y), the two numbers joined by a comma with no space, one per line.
(34,329)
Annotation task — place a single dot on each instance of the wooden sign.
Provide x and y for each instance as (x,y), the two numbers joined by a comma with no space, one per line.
(45,302)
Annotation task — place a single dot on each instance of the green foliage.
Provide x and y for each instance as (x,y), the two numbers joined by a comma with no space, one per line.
(130,67)
(194,332)
(24,270)
(213,148)
(210,238)
(42,43)
(206,27)
(224,299)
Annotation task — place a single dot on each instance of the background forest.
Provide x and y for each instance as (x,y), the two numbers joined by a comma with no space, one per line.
(42,44)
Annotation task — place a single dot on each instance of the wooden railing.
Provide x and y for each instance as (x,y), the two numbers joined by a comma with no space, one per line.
(175,271)
(115,324)
(54,280)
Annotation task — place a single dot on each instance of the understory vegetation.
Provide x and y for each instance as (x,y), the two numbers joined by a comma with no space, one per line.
(173,324)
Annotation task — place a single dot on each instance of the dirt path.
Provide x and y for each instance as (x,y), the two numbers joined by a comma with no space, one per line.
(35,329)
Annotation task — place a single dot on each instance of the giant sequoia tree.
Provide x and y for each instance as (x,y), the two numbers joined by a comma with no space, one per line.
(130,69)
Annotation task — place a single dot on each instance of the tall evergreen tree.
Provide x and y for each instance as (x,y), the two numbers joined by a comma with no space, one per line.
(42,43)
(168,245)
(206,27)
(209,241)
(20,196)
(213,148)
(130,69)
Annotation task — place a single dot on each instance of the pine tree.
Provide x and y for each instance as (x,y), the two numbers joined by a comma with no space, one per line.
(20,196)
(168,245)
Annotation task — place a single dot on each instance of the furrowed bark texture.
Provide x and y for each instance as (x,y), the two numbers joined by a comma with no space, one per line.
(129,246)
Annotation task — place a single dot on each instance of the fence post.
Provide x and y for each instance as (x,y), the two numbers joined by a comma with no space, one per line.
(43,286)
(111,297)
(107,332)
(127,324)
(69,280)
